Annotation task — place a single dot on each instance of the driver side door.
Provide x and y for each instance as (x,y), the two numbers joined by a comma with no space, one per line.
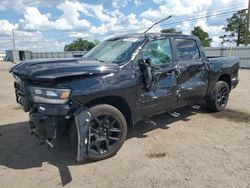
(162,95)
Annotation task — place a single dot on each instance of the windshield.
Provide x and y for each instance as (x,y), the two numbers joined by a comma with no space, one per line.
(114,50)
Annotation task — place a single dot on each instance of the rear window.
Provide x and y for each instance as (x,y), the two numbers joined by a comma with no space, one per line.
(187,50)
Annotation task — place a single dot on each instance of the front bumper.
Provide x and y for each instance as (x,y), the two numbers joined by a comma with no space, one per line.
(49,121)
(47,126)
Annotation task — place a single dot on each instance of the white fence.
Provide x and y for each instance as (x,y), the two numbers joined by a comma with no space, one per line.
(243,52)
(67,54)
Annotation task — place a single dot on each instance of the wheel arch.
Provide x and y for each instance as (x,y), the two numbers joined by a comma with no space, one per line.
(116,101)
(226,78)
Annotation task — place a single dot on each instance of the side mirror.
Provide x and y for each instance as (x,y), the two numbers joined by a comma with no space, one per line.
(146,70)
(144,62)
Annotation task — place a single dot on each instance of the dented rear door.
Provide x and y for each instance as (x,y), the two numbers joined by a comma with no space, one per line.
(193,71)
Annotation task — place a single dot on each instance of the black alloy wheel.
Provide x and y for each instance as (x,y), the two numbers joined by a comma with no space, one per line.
(108,132)
(105,134)
(220,98)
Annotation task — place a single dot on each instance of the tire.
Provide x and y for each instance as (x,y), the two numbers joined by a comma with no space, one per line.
(220,98)
(113,131)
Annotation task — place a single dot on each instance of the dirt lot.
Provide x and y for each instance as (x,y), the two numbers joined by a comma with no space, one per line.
(198,149)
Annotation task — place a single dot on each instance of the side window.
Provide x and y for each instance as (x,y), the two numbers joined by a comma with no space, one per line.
(187,50)
(158,51)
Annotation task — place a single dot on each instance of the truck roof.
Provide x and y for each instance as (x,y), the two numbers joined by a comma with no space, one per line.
(152,35)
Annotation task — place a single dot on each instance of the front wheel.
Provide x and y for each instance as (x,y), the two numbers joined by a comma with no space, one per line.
(221,94)
(107,135)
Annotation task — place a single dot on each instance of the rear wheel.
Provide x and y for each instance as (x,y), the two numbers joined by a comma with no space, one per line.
(107,134)
(220,98)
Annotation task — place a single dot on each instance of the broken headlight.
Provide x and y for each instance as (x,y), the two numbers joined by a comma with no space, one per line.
(49,95)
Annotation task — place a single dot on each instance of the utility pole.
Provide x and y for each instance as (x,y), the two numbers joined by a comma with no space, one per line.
(13,40)
(248,16)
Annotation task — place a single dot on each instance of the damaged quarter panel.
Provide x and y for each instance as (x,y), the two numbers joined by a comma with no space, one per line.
(223,66)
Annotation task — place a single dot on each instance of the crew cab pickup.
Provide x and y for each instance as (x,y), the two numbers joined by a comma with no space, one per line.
(121,81)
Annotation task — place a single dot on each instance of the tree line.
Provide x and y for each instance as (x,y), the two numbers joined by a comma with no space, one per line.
(236,29)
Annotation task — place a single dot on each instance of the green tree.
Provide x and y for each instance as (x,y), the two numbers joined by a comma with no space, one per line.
(237,27)
(80,45)
(225,39)
(203,36)
(170,30)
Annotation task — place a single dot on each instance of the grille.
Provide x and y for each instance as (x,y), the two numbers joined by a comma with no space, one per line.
(20,95)
(20,89)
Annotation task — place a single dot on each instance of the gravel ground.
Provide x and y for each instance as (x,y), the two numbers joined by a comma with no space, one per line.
(198,149)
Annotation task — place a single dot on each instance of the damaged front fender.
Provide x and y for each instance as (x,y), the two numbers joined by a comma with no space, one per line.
(83,118)
(47,126)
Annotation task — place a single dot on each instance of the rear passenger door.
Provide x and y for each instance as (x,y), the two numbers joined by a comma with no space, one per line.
(193,70)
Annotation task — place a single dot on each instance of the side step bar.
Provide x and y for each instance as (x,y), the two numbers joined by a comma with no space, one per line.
(196,107)
(174,114)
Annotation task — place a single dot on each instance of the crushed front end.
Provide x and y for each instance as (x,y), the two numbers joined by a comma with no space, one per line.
(51,112)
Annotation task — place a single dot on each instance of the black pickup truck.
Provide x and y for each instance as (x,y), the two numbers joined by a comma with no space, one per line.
(121,81)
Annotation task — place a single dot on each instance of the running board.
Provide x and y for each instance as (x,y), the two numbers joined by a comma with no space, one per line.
(148,121)
(196,107)
(174,114)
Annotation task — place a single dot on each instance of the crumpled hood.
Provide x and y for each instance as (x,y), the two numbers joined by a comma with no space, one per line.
(50,69)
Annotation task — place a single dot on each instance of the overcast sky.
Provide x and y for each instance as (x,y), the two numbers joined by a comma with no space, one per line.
(47,25)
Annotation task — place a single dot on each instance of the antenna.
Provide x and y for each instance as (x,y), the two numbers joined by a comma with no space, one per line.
(157,23)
